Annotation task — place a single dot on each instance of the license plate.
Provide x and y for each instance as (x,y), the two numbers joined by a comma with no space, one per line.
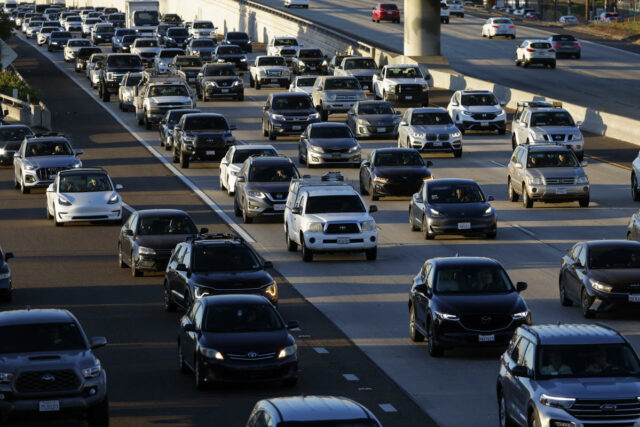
(561,191)
(464,226)
(486,338)
(634,298)
(343,240)
(484,123)
(408,97)
(296,127)
(274,80)
(365,86)
(279,207)
(224,90)
(437,144)
(49,405)
(210,153)
(382,130)
(336,156)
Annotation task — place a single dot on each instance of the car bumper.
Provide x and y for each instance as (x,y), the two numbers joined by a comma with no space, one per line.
(206,153)
(251,371)
(333,158)
(266,80)
(398,189)
(376,131)
(503,33)
(455,334)
(214,91)
(388,17)
(78,214)
(558,193)
(543,61)
(152,262)
(437,146)
(418,98)
(263,207)
(567,50)
(463,226)
(621,301)
(286,128)
(471,124)
(322,242)
(550,416)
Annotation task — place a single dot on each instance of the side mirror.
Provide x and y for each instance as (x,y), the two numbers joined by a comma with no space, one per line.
(520,371)
(518,165)
(455,103)
(502,103)
(578,123)
(181,267)
(373,208)
(521,286)
(50,188)
(8,256)
(119,187)
(128,232)
(204,230)
(584,163)
(417,197)
(292,324)
(403,123)
(490,199)
(97,342)
(99,64)
(79,152)
(16,155)
(241,179)
(267,264)
(429,163)
(233,127)
(266,107)
(577,265)
(366,163)
(189,327)
(296,210)
(422,288)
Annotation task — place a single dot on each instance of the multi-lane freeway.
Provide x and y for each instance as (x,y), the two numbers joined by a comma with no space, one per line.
(75,267)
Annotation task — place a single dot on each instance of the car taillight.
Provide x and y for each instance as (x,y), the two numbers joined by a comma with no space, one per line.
(496,26)
(512,26)
(552,50)
(576,45)
(530,50)
(557,45)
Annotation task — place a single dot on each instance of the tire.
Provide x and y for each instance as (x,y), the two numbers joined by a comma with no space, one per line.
(457,153)
(184,160)
(49,216)
(121,262)
(98,415)
(169,304)
(182,366)
(147,123)
(307,254)
(363,190)
(197,373)
(412,223)
(503,415)
(526,200)
(635,194)
(55,219)
(585,302)
(167,146)
(236,208)
(241,96)
(514,143)
(492,235)
(584,203)
(245,216)
(374,196)
(291,382)
(562,292)
(324,114)
(270,134)
(552,65)
(23,188)
(265,132)
(16,183)
(134,271)
(104,94)
(291,245)
(176,158)
(251,80)
(578,56)
(525,64)
(435,350)
(414,334)
(502,131)
(257,85)
(371,254)
(425,229)
(533,420)
(120,107)
(513,196)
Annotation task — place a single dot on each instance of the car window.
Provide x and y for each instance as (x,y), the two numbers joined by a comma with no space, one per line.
(342,84)
(224,257)
(613,257)
(375,108)
(472,280)
(528,357)
(513,351)
(399,159)
(234,318)
(587,361)
(220,71)
(271,61)
(479,99)
(206,123)
(84,183)
(430,119)
(330,132)
(42,337)
(292,103)
(14,134)
(551,118)
(552,159)
(168,90)
(48,148)
(198,316)
(455,193)
(187,62)
(241,155)
(582,256)
(166,224)
(272,173)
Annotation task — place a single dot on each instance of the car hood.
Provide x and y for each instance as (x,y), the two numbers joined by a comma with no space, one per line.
(617,276)
(417,80)
(246,342)
(352,92)
(380,119)
(555,172)
(333,143)
(50,360)
(450,128)
(295,112)
(592,388)
(554,129)
(170,99)
(165,241)
(339,217)
(411,172)
(271,187)
(495,109)
(273,68)
(51,161)
(89,198)
(312,60)
(470,304)
(253,279)
(457,210)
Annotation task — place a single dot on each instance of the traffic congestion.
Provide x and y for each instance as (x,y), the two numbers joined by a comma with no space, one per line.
(288,147)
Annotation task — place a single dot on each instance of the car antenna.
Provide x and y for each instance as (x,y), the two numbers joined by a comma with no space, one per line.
(456,254)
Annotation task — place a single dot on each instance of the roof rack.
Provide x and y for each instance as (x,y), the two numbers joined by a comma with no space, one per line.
(540,104)
(152,76)
(214,236)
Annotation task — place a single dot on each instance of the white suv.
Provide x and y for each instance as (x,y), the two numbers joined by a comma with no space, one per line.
(477,110)
(536,52)
(328,215)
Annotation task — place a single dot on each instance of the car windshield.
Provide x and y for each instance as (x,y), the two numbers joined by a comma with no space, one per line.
(430,119)
(224,257)
(305,81)
(168,90)
(219,71)
(359,64)
(79,42)
(271,60)
(48,148)
(177,32)
(106,29)
(41,337)
(285,42)
(310,53)
(291,103)
(614,256)
(398,159)
(124,61)
(84,183)
(92,21)
(85,53)
(388,6)
(479,99)
(166,224)
(202,25)
(242,318)
(188,62)
(133,81)
(241,155)
(339,84)
(206,123)
(170,53)
(237,36)
(272,173)
(229,50)
(74,19)
(587,361)
(454,193)
(552,118)
(144,18)
(60,35)
(146,43)
(502,21)
(202,43)
(14,134)
(552,159)
(375,108)
(129,38)
(403,72)
(334,204)
(481,279)
(125,32)
(330,132)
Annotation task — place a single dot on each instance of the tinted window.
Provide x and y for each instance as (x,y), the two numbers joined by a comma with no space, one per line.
(388,6)
(41,337)
(430,119)
(170,53)
(586,361)
(375,108)
(188,62)
(271,60)
(223,257)
(454,193)
(610,256)
(305,81)
(229,50)
(552,159)
(107,29)
(79,42)
(241,155)
(360,63)
(502,21)
(242,318)
(219,71)
(563,38)
(202,25)
(330,132)
(206,123)
(124,61)
(285,42)
(14,134)
(237,36)
(175,115)
(146,43)
(472,280)
(540,45)
(403,72)
(202,43)
(84,183)
(60,35)
(166,224)
(481,99)
(129,38)
(272,173)
(48,148)
(338,84)
(177,32)
(133,80)
(398,159)
(291,103)
(551,118)
(310,53)
(169,90)
(330,204)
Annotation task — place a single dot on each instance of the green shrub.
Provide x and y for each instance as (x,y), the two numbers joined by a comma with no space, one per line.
(9,81)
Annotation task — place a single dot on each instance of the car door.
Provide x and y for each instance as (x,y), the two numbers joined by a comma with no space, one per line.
(182,278)
(417,204)
(302,145)
(266,113)
(244,170)
(403,129)
(224,166)
(575,272)
(522,385)
(126,242)
(635,226)
(523,128)
(420,298)
(296,220)
(188,340)
(172,272)
(365,171)
(520,172)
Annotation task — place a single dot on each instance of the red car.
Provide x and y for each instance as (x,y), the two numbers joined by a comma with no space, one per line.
(385,12)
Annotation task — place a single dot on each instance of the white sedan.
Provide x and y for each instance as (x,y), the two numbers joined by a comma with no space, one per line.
(83,195)
(499,27)
(303,84)
(73,46)
(232,162)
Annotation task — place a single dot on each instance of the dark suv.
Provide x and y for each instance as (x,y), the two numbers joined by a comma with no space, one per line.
(219,80)
(287,114)
(262,187)
(569,375)
(464,302)
(47,366)
(113,69)
(215,264)
(201,136)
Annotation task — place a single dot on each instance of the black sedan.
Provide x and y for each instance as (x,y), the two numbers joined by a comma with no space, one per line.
(373,119)
(11,137)
(6,287)
(328,143)
(238,38)
(464,302)
(231,54)
(237,338)
(393,172)
(148,237)
(452,206)
(601,275)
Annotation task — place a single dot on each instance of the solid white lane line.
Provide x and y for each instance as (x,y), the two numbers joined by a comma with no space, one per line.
(387,407)
(350,377)
(499,164)
(127,207)
(524,230)
(321,350)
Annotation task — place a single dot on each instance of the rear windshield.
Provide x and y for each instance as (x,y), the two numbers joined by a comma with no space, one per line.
(43,337)
(146,43)
(479,99)
(613,256)
(229,50)
(116,17)
(502,21)
(170,53)
(430,119)
(224,257)
(203,43)
(241,155)
(564,38)
(206,123)
(74,19)
(388,6)
(168,90)
(310,53)
(84,183)
(330,132)
(334,204)
(48,148)
(472,280)
(242,318)
(454,193)
(285,42)
(272,173)
(172,32)
(375,108)
(398,159)
(291,103)
(237,36)
(176,115)
(338,84)
(552,159)
(166,224)
(202,25)
(188,62)
(540,45)
(359,64)
(552,118)
(14,134)
(90,21)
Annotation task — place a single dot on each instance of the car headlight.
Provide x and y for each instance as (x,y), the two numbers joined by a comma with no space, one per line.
(557,402)
(5,275)
(28,167)
(288,351)
(272,289)
(277,117)
(315,227)
(455,134)
(583,180)
(316,149)
(329,96)
(63,202)
(576,135)
(234,172)
(364,122)
(380,180)
(256,194)
(488,211)
(600,286)
(93,371)
(143,250)
(301,63)
(538,135)
(369,225)
(236,83)
(114,199)
(196,52)
(354,149)
(285,73)
(314,116)
(325,63)
(188,139)
(6,377)
(243,59)
(445,316)
(425,87)
(111,76)
(210,353)
(465,112)
(419,135)
(534,180)
(521,315)
(435,213)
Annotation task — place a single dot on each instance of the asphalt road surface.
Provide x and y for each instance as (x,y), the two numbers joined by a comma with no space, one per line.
(366,300)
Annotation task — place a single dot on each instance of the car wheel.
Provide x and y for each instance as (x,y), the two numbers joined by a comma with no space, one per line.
(414,334)
(412,222)
(371,253)
(184,160)
(182,366)
(134,271)
(236,208)
(23,188)
(104,94)
(533,420)
(385,97)
(98,415)
(121,262)
(585,301)
(251,80)
(257,84)
(425,229)
(241,96)
(552,65)
(525,63)
(271,134)
(324,114)
(492,234)
(291,245)
(176,159)
(245,216)
(265,133)
(147,123)
(457,153)
(526,200)
(513,196)
(169,304)
(307,254)
(564,298)
(584,203)
(55,219)
(635,194)
(372,192)
(49,216)
(434,349)
(503,415)
(578,56)
(514,143)
(16,183)
(198,374)
(517,62)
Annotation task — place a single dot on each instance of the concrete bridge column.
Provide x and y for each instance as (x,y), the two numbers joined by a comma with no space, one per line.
(422,27)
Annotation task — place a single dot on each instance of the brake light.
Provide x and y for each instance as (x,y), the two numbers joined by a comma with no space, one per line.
(512,26)
(496,26)
(552,50)
(557,45)
(576,45)
(530,50)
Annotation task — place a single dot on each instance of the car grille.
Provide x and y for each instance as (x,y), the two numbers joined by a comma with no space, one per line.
(605,409)
(408,88)
(209,141)
(560,181)
(441,137)
(557,137)
(147,54)
(281,196)
(485,322)
(342,228)
(224,83)
(335,150)
(345,98)
(251,356)
(274,72)
(163,253)
(47,381)
(287,52)
(296,118)
(44,173)
(483,116)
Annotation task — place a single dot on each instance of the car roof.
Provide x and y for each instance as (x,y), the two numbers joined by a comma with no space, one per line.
(24,317)
(289,94)
(537,40)
(327,124)
(270,160)
(161,212)
(464,260)
(317,408)
(47,139)
(546,147)
(621,243)
(234,299)
(324,190)
(428,110)
(16,126)
(82,171)
(567,334)
(253,147)
(451,181)
(395,150)
(203,115)
(402,65)
(546,109)
(184,111)
(475,92)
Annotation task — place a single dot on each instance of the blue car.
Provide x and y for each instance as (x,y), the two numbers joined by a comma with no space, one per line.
(287,113)
(58,40)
